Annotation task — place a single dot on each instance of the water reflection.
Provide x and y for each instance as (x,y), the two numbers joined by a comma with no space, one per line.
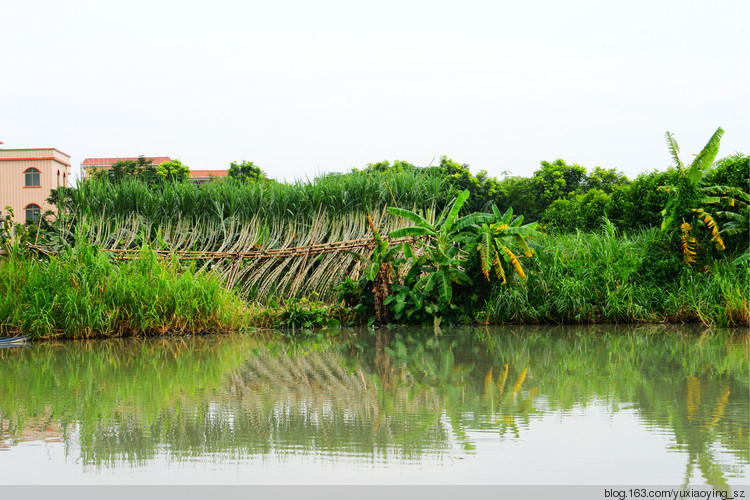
(386,397)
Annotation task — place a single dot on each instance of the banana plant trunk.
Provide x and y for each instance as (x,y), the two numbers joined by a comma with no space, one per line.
(381,289)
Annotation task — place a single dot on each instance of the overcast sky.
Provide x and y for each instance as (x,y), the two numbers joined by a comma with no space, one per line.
(302,88)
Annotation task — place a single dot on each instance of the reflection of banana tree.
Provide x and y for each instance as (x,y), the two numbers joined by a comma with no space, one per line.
(706,417)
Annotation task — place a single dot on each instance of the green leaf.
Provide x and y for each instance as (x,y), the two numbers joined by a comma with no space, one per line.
(408,251)
(473,219)
(408,214)
(457,204)
(411,231)
(674,149)
(444,288)
(460,277)
(745,257)
(705,158)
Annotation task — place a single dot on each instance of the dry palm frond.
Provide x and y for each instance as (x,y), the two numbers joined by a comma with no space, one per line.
(497,265)
(688,243)
(515,263)
(712,226)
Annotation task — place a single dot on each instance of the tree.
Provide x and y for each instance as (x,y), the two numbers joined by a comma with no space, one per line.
(482,188)
(556,180)
(143,168)
(173,171)
(500,238)
(638,205)
(689,199)
(606,179)
(584,212)
(246,171)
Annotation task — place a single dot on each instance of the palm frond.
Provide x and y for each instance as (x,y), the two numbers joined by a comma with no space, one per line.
(705,159)
(674,149)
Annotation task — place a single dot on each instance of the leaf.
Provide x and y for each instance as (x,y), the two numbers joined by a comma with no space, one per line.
(460,277)
(455,208)
(472,219)
(499,271)
(411,231)
(444,288)
(705,158)
(524,246)
(484,248)
(408,214)
(674,149)
(745,257)
(515,263)
(408,251)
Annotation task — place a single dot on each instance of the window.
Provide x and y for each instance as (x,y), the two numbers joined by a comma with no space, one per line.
(33,211)
(31,178)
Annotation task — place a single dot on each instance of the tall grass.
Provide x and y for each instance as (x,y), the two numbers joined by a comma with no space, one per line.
(83,293)
(229,199)
(615,278)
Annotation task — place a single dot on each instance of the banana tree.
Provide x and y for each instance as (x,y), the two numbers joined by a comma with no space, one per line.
(690,197)
(498,239)
(444,260)
(736,216)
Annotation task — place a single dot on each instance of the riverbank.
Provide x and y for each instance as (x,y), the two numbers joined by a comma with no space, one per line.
(582,278)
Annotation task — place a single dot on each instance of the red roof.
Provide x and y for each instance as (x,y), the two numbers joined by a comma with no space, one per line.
(108,162)
(206,173)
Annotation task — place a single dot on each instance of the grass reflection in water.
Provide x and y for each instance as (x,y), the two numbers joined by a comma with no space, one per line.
(399,396)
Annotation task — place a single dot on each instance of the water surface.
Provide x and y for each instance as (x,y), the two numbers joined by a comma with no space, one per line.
(511,405)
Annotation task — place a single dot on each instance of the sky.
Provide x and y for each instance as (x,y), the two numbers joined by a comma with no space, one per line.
(307,87)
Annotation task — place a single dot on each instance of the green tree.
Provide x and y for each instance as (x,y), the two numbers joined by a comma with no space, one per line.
(731,171)
(444,262)
(143,168)
(519,193)
(606,179)
(638,205)
(557,180)
(173,171)
(584,212)
(483,189)
(500,240)
(246,171)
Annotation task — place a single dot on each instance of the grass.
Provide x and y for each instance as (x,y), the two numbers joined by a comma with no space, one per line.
(82,293)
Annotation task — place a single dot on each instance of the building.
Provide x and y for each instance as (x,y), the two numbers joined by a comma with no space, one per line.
(26,178)
(106,163)
(201,176)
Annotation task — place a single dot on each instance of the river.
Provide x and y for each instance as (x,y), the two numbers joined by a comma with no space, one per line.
(646,405)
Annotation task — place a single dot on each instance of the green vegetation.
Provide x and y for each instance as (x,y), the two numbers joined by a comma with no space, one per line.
(611,277)
(565,245)
(83,293)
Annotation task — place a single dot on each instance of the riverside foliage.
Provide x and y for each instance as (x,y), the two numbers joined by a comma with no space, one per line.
(598,255)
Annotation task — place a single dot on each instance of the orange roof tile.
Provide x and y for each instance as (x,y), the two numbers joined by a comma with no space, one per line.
(108,162)
(206,173)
